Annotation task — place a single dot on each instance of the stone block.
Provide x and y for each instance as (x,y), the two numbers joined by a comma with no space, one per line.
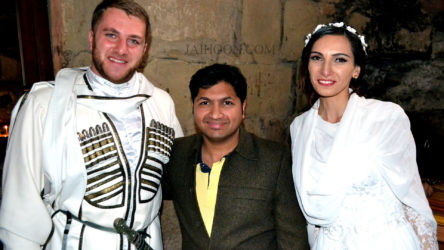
(438,45)
(196,51)
(269,89)
(183,20)
(414,41)
(358,21)
(300,18)
(269,98)
(272,129)
(327,7)
(420,88)
(77,58)
(181,28)
(261,31)
(174,76)
(77,23)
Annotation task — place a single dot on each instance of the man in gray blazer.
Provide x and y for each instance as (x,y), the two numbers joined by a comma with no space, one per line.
(231,189)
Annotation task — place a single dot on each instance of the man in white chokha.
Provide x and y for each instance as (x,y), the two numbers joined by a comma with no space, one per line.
(87,150)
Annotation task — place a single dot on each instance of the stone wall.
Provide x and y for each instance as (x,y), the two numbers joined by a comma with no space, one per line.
(264,38)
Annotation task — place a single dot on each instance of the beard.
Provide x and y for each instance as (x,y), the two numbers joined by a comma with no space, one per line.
(99,66)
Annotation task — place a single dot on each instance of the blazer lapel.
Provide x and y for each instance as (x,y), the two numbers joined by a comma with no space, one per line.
(244,150)
(196,216)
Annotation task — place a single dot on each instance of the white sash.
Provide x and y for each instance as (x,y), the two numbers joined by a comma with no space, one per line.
(322,197)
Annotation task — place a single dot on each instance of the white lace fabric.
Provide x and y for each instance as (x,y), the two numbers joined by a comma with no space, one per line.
(423,229)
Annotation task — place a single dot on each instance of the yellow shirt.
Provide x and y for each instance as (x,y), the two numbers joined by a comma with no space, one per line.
(206,191)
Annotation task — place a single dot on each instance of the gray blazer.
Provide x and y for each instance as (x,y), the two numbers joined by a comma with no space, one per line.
(256,206)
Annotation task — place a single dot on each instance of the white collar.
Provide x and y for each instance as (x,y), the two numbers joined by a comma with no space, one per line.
(103,87)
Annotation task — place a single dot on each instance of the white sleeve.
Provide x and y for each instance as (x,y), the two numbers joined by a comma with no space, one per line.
(175,122)
(398,157)
(15,242)
(155,240)
(24,219)
(423,229)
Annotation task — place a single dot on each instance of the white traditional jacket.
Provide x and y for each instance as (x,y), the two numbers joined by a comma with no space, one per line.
(372,137)
(66,176)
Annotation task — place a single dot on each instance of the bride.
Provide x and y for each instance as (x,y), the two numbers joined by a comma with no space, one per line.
(354,162)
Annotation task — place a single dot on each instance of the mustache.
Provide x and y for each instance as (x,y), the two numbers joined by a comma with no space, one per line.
(119,56)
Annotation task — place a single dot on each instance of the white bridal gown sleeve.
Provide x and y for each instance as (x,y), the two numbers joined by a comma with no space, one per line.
(400,171)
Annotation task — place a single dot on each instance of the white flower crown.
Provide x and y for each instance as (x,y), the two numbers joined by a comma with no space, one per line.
(339,25)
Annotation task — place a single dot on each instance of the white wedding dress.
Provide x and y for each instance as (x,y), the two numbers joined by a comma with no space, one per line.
(355,178)
(371,216)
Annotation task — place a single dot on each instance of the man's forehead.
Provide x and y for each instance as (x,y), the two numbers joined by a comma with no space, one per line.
(216,97)
(114,15)
(217,93)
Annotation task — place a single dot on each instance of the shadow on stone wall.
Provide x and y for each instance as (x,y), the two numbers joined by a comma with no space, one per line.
(406,62)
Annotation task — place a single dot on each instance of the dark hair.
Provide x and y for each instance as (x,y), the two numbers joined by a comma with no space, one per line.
(358,51)
(130,7)
(211,75)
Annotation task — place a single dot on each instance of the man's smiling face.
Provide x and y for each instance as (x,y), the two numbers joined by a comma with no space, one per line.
(118,45)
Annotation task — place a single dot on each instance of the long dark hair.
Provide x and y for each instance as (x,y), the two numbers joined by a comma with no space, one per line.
(359,54)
